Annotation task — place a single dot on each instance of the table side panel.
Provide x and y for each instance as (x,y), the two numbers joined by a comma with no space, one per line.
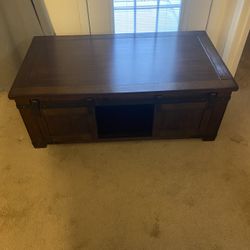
(179,117)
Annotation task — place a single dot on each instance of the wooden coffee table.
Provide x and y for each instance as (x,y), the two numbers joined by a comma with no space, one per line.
(107,87)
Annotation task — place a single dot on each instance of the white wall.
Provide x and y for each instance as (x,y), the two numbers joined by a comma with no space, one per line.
(18,24)
(228,28)
(237,35)
(8,57)
(220,21)
(194,14)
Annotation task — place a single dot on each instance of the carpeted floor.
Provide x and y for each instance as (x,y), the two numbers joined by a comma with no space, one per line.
(144,195)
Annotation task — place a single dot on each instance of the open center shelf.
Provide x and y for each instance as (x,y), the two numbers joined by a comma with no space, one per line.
(124,120)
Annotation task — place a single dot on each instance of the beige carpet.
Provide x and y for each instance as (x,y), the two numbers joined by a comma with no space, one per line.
(144,195)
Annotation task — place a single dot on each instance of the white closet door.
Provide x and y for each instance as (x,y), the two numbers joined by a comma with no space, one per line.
(43,17)
(68,17)
(101,16)
(195,14)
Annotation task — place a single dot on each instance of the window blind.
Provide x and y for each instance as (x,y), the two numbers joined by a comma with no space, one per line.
(136,16)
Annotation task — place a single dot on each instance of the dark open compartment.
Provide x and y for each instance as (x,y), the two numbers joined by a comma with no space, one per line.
(125,120)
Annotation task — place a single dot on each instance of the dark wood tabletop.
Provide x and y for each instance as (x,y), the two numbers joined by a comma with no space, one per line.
(163,62)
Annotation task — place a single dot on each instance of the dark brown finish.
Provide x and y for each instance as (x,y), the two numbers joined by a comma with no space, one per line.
(175,84)
(180,119)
